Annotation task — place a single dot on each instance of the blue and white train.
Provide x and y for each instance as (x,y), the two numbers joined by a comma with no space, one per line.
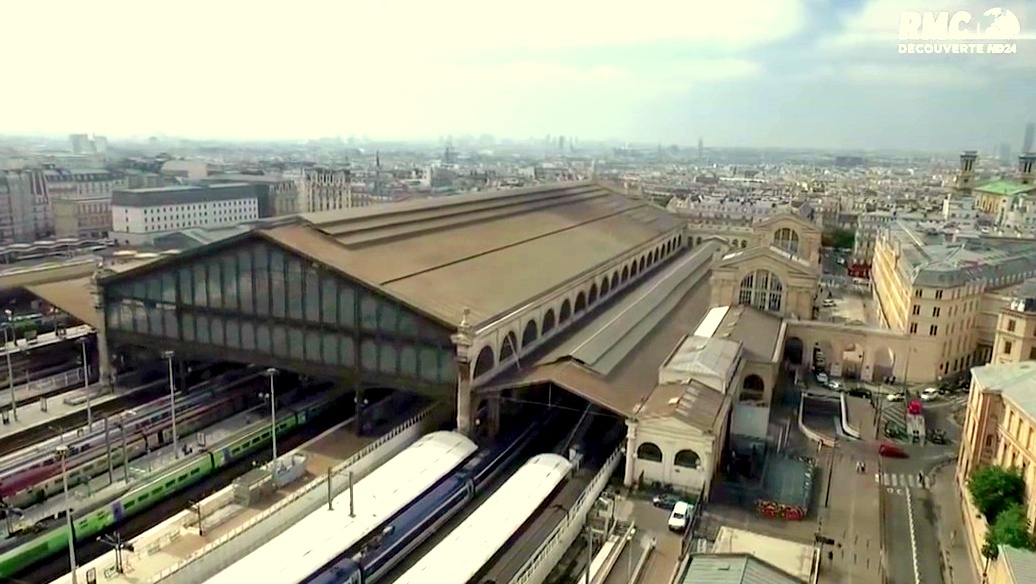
(372,559)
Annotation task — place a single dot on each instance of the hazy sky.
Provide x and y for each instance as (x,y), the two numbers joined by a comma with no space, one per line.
(796,73)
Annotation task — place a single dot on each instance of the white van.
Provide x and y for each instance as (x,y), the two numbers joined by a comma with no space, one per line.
(680,517)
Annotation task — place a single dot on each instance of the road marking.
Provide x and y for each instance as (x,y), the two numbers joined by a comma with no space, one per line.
(911,480)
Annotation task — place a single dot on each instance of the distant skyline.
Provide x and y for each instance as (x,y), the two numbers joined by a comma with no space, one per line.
(749,73)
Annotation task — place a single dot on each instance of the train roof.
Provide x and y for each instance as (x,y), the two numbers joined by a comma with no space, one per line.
(461,555)
(319,537)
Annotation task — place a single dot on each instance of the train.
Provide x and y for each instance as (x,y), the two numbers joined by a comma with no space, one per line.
(36,477)
(87,523)
(370,560)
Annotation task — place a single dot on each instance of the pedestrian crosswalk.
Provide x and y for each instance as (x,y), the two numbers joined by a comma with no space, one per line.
(903,479)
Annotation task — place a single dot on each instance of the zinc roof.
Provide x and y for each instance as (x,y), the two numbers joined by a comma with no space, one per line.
(734,569)
(1005,187)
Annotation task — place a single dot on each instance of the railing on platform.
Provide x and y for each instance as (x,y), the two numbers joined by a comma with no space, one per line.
(297,496)
(576,514)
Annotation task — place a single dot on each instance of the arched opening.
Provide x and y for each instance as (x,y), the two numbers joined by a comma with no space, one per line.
(548,321)
(615,280)
(884,365)
(508,347)
(793,350)
(605,287)
(649,451)
(642,263)
(852,361)
(530,333)
(485,362)
(763,290)
(753,388)
(786,239)
(697,241)
(592,296)
(565,312)
(823,353)
(633,269)
(687,459)
(625,274)
(580,302)
(744,243)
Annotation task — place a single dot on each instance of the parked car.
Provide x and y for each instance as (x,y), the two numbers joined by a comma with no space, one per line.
(895,397)
(891,451)
(836,385)
(680,518)
(828,303)
(929,394)
(665,501)
(822,378)
(938,437)
(860,392)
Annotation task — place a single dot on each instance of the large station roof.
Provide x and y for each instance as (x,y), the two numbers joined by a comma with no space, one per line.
(489,252)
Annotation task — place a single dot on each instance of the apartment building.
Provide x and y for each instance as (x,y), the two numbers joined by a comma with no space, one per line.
(24,206)
(867,226)
(85,218)
(948,285)
(278,194)
(141,215)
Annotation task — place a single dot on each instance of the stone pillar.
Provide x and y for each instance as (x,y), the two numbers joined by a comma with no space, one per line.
(493,416)
(105,377)
(462,340)
(631,452)
(361,419)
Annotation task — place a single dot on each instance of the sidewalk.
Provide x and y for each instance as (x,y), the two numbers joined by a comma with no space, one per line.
(957,566)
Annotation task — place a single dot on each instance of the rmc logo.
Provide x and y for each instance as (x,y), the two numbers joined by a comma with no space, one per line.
(960,32)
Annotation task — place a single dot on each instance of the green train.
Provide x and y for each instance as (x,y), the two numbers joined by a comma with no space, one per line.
(33,549)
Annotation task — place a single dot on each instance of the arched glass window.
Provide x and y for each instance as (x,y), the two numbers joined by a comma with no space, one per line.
(763,290)
(787,239)
(649,451)
(485,362)
(687,459)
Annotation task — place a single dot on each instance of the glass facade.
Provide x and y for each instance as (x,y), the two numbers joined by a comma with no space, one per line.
(260,298)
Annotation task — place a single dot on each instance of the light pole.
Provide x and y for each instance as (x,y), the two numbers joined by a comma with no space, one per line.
(168,355)
(10,370)
(62,452)
(271,373)
(86,384)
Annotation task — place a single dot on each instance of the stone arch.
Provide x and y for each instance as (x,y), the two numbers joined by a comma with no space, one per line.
(642,263)
(591,297)
(548,322)
(633,269)
(753,388)
(580,305)
(565,312)
(697,241)
(687,458)
(485,362)
(744,243)
(508,347)
(762,289)
(605,286)
(649,451)
(794,350)
(787,239)
(884,364)
(823,352)
(852,359)
(615,280)
(625,274)
(530,334)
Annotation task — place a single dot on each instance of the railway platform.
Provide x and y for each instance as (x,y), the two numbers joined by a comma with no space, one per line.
(161,553)
(103,488)
(44,340)
(32,416)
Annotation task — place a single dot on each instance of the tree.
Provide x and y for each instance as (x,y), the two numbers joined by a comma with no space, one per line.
(1011,529)
(994,489)
(838,238)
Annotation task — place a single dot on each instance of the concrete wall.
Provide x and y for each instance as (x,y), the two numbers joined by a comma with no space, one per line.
(19,278)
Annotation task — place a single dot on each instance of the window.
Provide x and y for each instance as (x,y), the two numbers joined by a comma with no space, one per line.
(918,293)
(933,330)
(649,451)
(935,312)
(1032,354)
(938,294)
(687,459)
(1010,326)
(917,309)
(787,240)
(763,290)
(913,327)
(1007,347)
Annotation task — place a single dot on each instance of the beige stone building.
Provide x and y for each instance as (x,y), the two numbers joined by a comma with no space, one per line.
(82,218)
(948,289)
(1000,427)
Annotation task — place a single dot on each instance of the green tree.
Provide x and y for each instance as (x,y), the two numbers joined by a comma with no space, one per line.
(1012,529)
(838,238)
(994,489)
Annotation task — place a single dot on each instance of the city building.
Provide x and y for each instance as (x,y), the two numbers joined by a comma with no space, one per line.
(278,194)
(1015,339)
(325,189)
(996,198)
(82,218)
(140,215)
(867,226)
(949,286)
(24,207)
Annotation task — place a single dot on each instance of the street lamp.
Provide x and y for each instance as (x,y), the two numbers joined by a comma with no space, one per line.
(271,373)
(86,384)
(62,452)
(168,355)
(10,369)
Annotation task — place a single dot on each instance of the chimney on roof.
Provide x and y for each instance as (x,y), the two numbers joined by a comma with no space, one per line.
(1025,168)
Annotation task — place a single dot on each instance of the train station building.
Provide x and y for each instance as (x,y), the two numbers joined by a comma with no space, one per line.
(487,301)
